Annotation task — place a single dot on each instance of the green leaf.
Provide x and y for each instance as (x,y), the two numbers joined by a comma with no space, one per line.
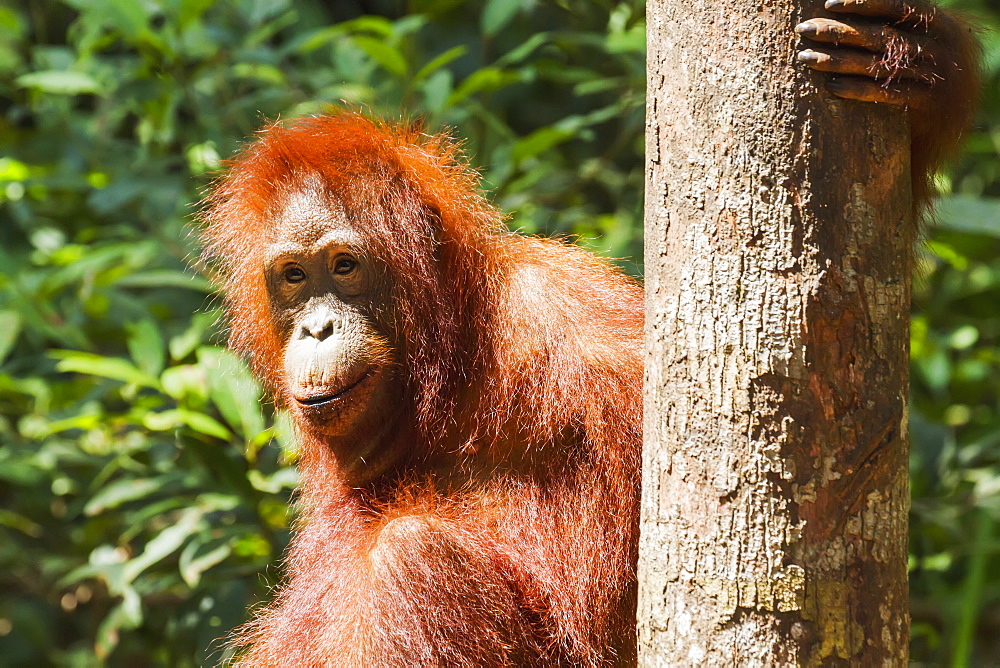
(945,252)
(963,213)
(165,278)
(598,85)
(123,491)
(963,337)
(192,564)
(284,434)
(126,615)
(268,74)
(631,41)
(440,61)
(185,382)
(114,368)
(191,10)
(129,17)
(171,419)
(383,53)
(10,327)
(233,389)
(317,39)
(146,346)
(60,82)
(13,170)
(21,523)
(408,24)
(377,25)
(436,90)
(521,52)
(936,370)
(485,79)
(497,14)
(11,22)
(260,11)
(204,424)
(211,502)
(82,422)
(165,543)
(203,157)
(540,141)
(273,484)
(183,344)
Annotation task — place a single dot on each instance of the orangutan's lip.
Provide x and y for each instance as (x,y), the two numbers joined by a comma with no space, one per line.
(322,400)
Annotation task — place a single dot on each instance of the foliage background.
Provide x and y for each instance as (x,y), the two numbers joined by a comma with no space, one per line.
(144,486)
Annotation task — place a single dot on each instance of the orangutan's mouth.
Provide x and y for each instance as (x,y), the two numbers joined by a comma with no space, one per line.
(322,400)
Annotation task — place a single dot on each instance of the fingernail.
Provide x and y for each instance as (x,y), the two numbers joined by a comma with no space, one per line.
(835,4)
(836,86)
(805,27)
(808,56)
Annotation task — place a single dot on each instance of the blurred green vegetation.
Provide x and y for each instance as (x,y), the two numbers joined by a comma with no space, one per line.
(144,485)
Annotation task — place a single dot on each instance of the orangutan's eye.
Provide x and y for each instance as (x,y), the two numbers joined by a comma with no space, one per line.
(294,274)
(345,265)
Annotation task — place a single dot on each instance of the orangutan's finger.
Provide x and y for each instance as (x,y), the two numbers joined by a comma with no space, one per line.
(896,10)
(909,94)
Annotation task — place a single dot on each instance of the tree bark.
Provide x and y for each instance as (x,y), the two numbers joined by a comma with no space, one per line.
(779,235)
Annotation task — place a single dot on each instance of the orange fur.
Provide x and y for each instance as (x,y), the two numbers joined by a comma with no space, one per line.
(936,129)
(508,534)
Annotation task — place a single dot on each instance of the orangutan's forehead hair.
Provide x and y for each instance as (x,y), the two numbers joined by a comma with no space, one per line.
(309,208)
(303,193)
(391,180)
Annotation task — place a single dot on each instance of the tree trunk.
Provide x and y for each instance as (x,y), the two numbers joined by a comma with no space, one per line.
(778,250)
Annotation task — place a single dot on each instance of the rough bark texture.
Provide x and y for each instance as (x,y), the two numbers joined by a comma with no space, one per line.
(778,245)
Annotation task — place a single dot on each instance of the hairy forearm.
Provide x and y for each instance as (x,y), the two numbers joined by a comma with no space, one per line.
(426,592)
(937,126)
